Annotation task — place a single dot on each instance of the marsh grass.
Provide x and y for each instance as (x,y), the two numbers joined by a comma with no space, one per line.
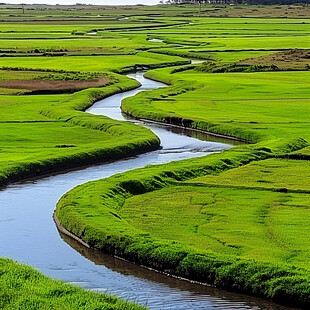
(36,130)
(234,104)
(227,235)
(24,288)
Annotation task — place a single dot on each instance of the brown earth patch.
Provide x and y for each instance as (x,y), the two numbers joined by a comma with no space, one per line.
(51,85)
(295,59)
(266,11)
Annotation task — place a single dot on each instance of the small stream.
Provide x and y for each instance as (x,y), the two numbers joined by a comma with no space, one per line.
(29,235)
(155,40)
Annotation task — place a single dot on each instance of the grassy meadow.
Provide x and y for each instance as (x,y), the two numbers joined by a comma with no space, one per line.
(172,218)
(89,63)
(239,219)
(254,106)
(38,138)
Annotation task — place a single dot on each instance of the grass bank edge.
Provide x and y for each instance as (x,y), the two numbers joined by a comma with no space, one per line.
(71,110)
(140,107)
(283,284)
(23,287)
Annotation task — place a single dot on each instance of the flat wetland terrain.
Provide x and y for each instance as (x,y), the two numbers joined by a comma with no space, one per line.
(240,219)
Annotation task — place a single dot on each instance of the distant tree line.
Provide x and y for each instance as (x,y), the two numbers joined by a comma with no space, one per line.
(234,1)
(277,1)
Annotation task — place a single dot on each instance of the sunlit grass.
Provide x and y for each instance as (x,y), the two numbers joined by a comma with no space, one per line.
(24,288)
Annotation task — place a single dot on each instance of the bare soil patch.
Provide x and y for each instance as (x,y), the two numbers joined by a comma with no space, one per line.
(294,59)
(51,85)
(266,11)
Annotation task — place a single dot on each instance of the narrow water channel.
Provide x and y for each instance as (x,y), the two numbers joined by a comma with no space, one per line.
(28,233)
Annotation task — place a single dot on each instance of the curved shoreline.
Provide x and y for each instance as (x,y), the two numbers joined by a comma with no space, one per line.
(48,172)
(75,162)
(149,142)
(66,232)
(135,109)
(210,133)
(82,235)
(41,170)
(185,264)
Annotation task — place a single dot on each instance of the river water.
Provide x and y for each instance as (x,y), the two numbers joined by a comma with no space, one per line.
(29,235)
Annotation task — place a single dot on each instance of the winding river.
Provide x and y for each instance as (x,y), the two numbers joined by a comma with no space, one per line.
(28,233)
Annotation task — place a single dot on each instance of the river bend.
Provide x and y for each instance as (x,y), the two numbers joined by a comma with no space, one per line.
(29,235)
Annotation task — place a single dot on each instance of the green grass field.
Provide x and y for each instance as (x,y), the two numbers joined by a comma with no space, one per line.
(215,214)
(24,288)
(238,220)
(88,63)
(50,133)
(254,106)
(189,219)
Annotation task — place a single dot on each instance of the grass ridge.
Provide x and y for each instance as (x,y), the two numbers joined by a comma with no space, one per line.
(22,287)
(140,106)
(71,110)
(281,283)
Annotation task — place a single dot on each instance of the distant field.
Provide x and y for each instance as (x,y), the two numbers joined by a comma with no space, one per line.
(262,106)
(192,34)
(286,60)
(88,63)
(103,45)
(40,11)
(21,82)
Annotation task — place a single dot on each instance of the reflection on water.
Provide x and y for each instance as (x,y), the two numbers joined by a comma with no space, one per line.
(194,295)
(198,61)
(28,233)
(196,134)
(156,40)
